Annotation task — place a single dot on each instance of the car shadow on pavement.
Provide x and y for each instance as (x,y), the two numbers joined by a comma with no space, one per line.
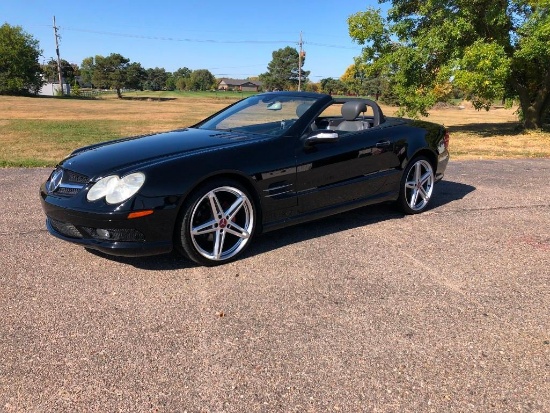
(445,193)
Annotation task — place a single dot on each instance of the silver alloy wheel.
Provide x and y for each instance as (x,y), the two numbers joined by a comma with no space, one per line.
(419,185)
(221,223)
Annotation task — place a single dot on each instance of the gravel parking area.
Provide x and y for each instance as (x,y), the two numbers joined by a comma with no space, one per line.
(367,311)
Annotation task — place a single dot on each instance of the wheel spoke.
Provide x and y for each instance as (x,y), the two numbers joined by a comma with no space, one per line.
(424,194)
(418,172)
(234,208)
(410,184)
(217,209)
(238,231)
(218,244)
(205,228)
(427,177)
(414,199)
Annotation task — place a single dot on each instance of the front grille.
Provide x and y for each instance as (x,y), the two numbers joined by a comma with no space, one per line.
(64,228)
(65,191)
(68,185)
(76,178)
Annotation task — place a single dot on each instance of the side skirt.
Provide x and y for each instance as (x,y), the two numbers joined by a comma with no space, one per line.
(332,210)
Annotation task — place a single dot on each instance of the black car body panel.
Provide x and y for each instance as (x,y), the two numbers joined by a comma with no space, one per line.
(291,173)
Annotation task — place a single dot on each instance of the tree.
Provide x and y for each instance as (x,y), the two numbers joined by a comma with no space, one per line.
(181,83)
(178,79)
(156,79)
(354,79)
(135,76)
(87,70)
(491,49)
(283,70)
(68,71)
(113,72)
(312,87)
(201,79)
(20,71)
(332,86)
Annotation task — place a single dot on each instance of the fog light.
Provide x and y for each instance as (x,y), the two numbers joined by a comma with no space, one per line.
(103,233)
(115,234)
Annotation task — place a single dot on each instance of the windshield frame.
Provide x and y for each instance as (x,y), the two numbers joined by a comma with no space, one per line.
(272,113)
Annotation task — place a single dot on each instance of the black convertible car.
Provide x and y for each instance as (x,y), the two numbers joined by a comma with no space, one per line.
(263,163)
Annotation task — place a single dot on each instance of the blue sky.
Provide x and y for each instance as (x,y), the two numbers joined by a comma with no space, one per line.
(231,39)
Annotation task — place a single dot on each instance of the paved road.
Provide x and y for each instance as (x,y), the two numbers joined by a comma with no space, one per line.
(368,311)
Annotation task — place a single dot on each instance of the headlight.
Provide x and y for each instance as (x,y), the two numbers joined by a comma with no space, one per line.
(116,190)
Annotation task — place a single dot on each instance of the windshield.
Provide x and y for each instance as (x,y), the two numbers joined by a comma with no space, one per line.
(270,114)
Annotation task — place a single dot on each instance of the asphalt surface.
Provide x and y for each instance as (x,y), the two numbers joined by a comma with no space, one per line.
(368,311)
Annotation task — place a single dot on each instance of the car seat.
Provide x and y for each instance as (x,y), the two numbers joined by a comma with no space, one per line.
(350,112)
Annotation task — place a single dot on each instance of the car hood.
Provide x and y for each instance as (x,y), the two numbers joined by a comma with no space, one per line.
(112,156)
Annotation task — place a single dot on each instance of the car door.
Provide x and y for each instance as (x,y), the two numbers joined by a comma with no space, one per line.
(354,167)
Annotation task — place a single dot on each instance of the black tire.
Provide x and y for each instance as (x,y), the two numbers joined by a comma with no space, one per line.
(417,185)
(218,223)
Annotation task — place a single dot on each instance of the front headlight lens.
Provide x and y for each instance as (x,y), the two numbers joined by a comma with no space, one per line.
(116,190)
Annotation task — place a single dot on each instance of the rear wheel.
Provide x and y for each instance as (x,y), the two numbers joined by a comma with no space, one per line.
(417,186)
(218,223)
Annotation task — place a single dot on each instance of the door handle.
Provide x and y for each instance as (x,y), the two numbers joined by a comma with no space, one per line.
(383,144)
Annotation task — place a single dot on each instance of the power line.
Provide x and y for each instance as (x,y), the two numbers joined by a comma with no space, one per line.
(333,46)
(300,43)
(175,39)
(214,41)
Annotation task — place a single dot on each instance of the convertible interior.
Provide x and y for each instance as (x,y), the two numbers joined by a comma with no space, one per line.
(353,117)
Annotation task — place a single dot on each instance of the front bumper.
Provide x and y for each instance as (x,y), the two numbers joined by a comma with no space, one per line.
(111,233)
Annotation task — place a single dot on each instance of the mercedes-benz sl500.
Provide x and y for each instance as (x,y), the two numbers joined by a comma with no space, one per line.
(263,163)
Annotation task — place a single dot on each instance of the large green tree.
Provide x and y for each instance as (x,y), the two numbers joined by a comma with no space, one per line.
(201,79)
(113,72)
(156,79)
(332,86)
(283,71)
(490,49)
(20,71)
(177,80)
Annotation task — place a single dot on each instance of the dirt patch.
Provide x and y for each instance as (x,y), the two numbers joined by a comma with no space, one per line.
(148,99)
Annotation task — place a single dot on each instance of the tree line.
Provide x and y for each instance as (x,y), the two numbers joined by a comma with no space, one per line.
(20,72)
(117,72)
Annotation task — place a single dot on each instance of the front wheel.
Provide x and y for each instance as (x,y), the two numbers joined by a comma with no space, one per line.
(218,223)
(417,186)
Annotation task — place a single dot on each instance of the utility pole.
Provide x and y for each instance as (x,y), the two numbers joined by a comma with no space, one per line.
(300,64)
(58,57)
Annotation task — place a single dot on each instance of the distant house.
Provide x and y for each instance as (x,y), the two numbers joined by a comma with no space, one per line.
(239,84)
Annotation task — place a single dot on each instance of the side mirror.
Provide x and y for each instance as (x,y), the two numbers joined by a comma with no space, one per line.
(322,137)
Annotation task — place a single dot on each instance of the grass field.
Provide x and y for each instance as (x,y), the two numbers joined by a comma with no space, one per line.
(41,131)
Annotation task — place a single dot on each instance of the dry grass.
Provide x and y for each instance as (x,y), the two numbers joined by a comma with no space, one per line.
(490,134)
(40,131)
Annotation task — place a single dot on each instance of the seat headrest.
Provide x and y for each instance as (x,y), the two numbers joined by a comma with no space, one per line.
(350,110)
(302,108)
